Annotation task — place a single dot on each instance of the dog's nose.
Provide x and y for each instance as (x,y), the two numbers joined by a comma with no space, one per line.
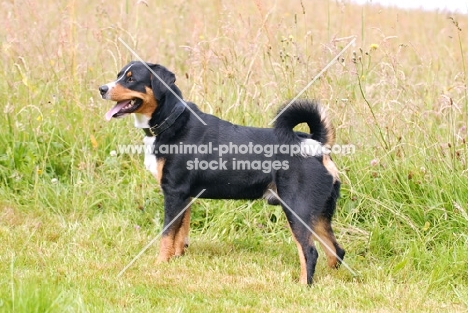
(103,89)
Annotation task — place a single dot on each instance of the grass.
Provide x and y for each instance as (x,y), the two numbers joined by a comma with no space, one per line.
(72,215)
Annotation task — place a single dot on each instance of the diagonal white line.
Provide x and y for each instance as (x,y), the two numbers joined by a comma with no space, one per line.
(160,233)
(314,79)
(314,233)
(162,81)
(123,74)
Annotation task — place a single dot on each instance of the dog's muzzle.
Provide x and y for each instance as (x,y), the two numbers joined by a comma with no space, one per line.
(103,90)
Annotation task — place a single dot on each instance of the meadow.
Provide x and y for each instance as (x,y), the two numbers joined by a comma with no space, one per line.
(73,214)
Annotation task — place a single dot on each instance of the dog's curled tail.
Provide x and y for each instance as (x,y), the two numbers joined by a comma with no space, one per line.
(304,111)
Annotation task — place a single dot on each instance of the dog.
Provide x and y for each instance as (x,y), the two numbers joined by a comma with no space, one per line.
(305,184)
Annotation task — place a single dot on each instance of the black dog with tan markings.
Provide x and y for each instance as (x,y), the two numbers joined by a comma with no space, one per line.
(236,162)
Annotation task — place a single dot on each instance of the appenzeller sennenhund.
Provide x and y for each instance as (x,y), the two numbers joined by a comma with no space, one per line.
(236,162)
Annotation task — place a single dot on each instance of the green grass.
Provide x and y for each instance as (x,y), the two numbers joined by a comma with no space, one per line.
(72,216)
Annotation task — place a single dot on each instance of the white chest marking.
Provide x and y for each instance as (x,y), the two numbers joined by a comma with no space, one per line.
(141,120)
(151,163)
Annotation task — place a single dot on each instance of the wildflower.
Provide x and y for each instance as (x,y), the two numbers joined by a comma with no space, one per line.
(374,162)
(113,153)
(54,180)
(374,46)
(94,142)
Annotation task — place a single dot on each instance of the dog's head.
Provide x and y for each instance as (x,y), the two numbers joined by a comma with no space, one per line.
(137,89)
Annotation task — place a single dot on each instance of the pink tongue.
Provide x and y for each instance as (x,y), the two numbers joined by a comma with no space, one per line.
(116,109)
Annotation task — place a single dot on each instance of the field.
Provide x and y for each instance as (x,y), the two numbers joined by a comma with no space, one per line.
(73,214)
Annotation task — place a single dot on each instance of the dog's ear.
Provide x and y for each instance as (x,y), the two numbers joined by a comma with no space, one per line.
(163,75)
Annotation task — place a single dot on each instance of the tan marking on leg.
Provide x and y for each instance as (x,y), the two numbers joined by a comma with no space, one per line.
(166,248)
(331,167)
(160,166)
(181,235)
(322,229)
(302,260)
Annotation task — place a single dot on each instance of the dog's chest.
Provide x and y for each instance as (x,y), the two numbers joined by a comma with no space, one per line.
(151,162)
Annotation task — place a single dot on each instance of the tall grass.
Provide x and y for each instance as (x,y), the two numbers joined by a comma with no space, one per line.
(72,215)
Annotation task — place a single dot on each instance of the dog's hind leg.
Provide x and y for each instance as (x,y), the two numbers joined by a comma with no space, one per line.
(174,220)
(326,237)
(302,260)
(324,232)
(306,249)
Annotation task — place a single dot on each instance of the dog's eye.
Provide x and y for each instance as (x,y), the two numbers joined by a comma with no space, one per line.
(130,79)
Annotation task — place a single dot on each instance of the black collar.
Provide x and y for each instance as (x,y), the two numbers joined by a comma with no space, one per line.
(168,121)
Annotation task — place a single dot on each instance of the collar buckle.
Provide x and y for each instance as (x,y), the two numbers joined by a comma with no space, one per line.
(157,129)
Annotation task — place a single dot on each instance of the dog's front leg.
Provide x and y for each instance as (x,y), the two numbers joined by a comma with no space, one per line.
(181,237)
(176,219)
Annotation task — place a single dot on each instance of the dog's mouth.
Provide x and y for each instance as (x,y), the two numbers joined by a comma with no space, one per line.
(123,108)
